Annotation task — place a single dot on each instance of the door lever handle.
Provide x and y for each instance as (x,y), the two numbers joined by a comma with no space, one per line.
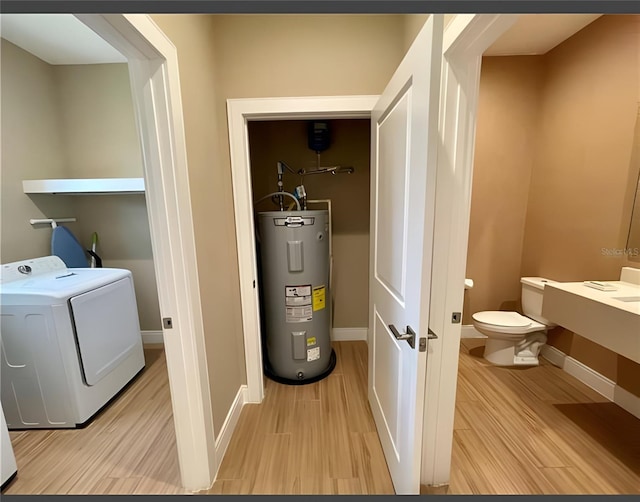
(409,336)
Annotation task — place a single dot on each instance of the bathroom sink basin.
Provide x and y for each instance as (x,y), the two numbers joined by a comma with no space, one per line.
(608,318)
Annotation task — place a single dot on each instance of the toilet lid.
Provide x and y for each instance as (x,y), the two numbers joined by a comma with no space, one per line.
(502,318)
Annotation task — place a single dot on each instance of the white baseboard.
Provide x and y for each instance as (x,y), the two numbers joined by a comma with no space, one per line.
(468,331)
(229,425)
(553,355)
(349,334)
(152,337)
(627,401)
(591,378)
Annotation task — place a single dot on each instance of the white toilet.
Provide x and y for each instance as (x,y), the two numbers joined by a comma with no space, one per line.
(513,339)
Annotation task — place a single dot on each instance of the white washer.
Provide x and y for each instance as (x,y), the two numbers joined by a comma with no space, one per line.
(8,467)
(70,341)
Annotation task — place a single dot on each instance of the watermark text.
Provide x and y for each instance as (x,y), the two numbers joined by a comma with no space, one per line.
(620,251)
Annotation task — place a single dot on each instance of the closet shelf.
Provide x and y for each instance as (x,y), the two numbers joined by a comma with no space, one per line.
(84,186)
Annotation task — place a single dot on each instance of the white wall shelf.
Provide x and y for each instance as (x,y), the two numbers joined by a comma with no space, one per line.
(93,186)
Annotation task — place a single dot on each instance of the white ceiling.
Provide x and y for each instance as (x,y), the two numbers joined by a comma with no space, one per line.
(61,39)
(58,39)
(538,33)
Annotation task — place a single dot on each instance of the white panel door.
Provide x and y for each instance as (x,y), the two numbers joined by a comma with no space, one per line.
(404,145)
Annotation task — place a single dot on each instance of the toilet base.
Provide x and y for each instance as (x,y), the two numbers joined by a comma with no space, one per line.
(523,352)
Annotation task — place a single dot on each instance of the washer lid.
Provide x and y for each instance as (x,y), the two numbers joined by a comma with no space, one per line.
(502,318)
(58,285)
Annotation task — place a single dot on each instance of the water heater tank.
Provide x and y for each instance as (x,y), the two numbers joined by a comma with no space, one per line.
(294,259)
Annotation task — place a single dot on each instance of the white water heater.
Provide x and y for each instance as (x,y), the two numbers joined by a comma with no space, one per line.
(294,259)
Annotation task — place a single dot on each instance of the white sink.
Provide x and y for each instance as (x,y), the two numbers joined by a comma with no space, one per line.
(608,318)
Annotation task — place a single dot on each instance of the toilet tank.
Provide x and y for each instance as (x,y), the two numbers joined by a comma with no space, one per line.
(532,291)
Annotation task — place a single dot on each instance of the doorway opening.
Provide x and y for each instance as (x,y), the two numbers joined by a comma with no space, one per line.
(335,409)
(242,113)
(73,131)
(345,195)
(154,80)
(523,156)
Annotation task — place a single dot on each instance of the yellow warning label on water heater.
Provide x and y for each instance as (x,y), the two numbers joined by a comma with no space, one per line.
(319,298)
(311,341)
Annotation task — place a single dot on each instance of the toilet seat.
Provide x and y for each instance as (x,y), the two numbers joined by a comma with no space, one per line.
(505,322)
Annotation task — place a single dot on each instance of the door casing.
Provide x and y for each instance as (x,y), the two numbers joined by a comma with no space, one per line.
(240,112)
(155,89)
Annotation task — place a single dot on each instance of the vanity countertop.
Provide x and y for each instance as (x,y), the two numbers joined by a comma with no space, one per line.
(601,316)
(625,290)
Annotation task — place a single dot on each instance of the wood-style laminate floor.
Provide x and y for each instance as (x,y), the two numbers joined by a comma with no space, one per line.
(538,430)
(318,438)
(517,430)
(129,448)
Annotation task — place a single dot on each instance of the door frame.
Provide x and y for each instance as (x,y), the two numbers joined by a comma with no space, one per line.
(240,112)
(155,85)
(466,38)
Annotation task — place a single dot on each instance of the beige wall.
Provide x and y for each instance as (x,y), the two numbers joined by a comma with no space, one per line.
(97,120)
(212,206)
(100,140)
(306,55)
(241,56)
(580,197)
(350,144)
(580,194)
(505,147)
(32,148)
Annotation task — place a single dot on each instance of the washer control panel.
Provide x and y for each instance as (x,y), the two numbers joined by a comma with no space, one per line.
(28,268)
